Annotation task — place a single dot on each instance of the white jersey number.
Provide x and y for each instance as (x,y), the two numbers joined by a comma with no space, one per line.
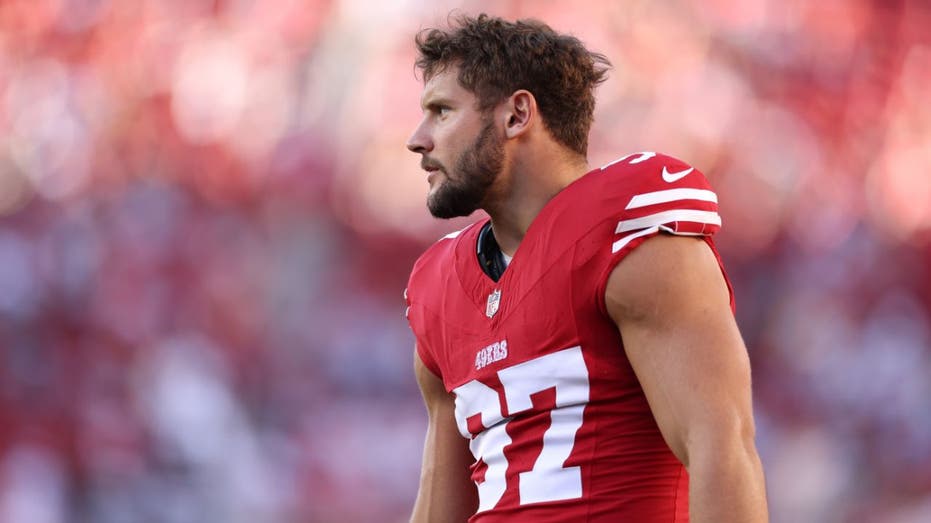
(548,480)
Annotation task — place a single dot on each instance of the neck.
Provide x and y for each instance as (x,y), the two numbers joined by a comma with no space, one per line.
(529,190)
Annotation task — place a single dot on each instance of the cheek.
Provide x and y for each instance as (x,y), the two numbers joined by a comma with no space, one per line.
(455,136)
(449,154)
(446,141)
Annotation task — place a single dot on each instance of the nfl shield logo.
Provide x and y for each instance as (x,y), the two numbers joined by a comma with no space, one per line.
(493,300)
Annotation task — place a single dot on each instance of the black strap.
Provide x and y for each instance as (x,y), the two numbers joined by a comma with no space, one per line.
(489,253)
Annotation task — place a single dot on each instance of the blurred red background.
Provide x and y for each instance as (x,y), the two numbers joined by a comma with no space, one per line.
(207,217)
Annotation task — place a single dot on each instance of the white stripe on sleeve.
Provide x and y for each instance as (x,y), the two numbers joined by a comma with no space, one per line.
(620,244)
(660,218)
(671,195)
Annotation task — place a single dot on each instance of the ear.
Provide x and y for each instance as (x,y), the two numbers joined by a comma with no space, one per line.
(520,113)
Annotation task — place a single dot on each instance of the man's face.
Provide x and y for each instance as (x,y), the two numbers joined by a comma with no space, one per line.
(460,147)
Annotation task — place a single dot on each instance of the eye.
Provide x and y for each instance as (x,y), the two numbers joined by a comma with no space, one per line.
(441,110)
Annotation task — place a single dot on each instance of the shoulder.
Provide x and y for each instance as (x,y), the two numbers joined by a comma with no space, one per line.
(636,184)
(633,196)
(431,278)
(651,192)
(640,194)
(438,261)
(637,197)
(637,174)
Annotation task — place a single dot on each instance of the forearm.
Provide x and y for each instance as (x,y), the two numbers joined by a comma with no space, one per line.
(447,493)
(443,498)
(727,486)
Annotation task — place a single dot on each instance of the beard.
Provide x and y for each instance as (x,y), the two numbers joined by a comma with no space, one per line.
(466,186)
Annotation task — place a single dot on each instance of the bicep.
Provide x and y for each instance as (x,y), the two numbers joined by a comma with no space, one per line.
(446,490)
(672,307)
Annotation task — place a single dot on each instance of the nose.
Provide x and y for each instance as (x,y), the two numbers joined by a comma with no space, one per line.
(420,142)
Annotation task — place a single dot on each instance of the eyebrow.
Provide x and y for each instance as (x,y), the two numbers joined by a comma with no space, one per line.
(436,102)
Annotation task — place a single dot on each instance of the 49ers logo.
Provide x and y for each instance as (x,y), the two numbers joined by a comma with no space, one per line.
(497,351)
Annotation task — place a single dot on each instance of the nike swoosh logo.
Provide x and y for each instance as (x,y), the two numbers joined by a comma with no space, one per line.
(674,177)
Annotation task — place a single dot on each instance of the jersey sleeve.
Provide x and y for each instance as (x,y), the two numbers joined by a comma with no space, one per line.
(650,194)
(416,314)
(423,296)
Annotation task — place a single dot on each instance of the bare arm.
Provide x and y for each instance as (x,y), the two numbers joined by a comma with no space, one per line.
(447,493)
(670,302)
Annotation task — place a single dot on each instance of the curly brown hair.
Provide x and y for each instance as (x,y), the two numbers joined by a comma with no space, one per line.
(496,57)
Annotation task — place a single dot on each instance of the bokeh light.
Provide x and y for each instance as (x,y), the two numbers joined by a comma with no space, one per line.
(208,216)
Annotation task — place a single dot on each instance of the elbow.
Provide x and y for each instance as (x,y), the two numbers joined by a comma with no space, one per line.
(725,471)
(723,440)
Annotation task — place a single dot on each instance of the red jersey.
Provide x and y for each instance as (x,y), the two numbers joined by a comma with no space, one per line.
(558,423)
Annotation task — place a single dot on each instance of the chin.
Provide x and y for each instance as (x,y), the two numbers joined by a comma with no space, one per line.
(434,189)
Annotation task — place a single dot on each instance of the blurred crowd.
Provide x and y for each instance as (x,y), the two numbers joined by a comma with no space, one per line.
(207,218)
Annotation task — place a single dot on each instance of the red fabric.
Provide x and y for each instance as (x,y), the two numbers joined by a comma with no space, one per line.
(552,300)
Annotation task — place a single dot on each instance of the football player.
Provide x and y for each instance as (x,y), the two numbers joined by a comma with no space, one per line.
(577,351)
